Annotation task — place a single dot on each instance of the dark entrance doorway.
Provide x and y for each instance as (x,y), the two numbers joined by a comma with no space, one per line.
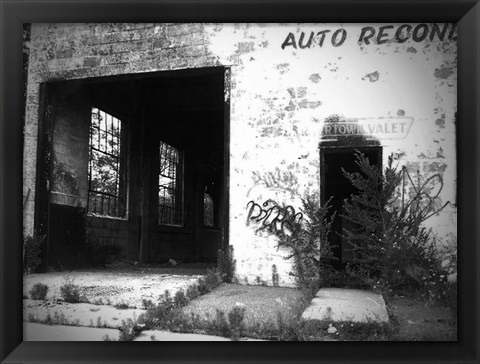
(134,167)
(337,187)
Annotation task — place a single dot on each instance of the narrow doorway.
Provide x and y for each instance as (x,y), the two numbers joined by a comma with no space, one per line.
(337,188)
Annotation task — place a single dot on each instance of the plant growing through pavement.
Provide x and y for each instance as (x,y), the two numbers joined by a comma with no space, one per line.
(391,248)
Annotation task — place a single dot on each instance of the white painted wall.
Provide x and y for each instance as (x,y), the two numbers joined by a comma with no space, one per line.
(281,97)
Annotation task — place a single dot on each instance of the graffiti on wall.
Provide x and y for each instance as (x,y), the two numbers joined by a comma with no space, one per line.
(279,185)
(372,35)
(275,179)
(273,218)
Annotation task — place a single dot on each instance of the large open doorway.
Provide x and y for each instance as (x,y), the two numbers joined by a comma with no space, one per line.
(134,167)
(337,188)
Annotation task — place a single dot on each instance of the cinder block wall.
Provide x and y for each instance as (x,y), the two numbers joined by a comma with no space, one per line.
(283,87)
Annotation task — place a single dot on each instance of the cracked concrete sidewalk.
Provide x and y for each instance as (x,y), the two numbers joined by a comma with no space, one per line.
(113,287)
(127,288)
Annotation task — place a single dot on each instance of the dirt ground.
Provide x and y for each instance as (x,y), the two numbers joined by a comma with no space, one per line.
(418,321)
(262,304)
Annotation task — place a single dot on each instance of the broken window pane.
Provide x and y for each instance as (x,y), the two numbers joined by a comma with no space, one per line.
(106,166)
(170,185)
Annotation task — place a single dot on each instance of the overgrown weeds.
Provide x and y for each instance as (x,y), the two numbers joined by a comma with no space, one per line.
(129,330)
(121,306)
(167,314)
(232,325)
(211,280)
(236,323)
(56,319)
(100,323)
(392,250)
(309,245)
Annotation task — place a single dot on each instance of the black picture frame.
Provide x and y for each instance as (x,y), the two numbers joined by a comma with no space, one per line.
(14,13)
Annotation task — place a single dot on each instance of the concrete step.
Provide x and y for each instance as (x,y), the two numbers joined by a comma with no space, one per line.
(341,304)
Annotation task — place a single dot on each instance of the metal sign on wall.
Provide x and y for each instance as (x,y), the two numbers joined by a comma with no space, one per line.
(380,128)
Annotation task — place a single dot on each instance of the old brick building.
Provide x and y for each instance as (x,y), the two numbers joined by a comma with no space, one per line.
(153,141)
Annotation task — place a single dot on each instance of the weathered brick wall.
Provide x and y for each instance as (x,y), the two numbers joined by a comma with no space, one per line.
(280,98)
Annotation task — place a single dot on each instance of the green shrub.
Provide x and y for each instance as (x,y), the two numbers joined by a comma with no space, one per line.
(39,291)
(129,330)
(157,316)
(202,286)
(206,284)
(192,292)
(391,249)
(166,299)
(161,315)
(308,242)
(121,306)
(70,292)
(180,300)
(146,304)
(212,279)
(180,322)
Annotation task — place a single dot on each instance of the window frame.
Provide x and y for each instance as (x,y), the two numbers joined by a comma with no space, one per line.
(122,194)
(179,186)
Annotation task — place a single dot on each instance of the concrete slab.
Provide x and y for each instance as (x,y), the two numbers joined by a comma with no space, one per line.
(83,314)
(339,304)
(39,332)
(114,287)
(105,289)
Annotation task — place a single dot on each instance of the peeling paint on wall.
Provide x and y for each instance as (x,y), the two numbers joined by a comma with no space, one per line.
(372,77)
(444,72)
(315,78)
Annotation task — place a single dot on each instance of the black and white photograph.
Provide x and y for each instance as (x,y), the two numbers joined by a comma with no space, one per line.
(240,182)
